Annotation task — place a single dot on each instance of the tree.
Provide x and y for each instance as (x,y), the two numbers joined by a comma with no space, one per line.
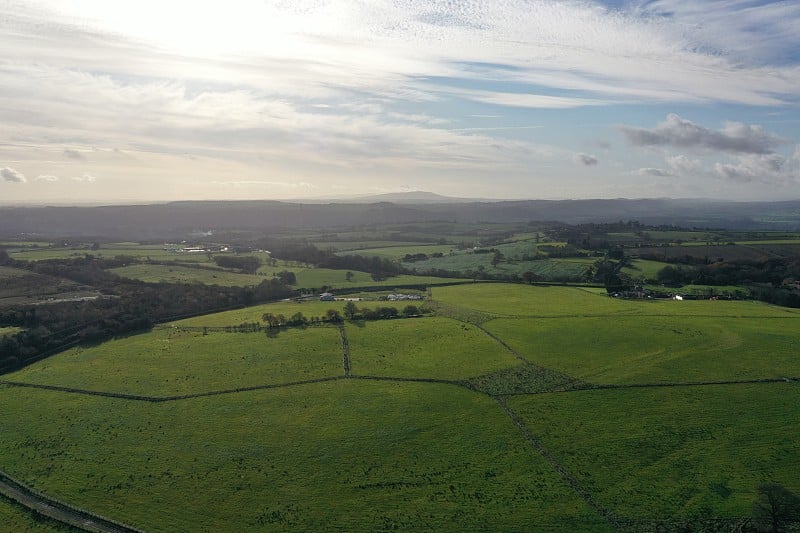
(350,310)
(270,319)
(530,277)
(298,319)
(497,257)
(410,310)
(775,508)
(333,315)
(348,276)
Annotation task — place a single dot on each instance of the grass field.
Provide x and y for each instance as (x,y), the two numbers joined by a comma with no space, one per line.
(521,300)
(182,274)
(171,361)
(657,349)
(358,454)
(424,347)
(348,455)
(10,330)
(398,252)
(673,452)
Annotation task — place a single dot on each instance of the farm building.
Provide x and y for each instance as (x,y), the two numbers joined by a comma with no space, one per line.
(326,297)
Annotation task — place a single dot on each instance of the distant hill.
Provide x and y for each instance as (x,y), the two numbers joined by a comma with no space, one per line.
(412,197)
(181,218)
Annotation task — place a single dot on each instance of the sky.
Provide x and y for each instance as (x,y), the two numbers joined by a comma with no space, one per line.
(147,101)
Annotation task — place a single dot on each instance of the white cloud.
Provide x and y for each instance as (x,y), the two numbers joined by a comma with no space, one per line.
(735,137)
(47,177)
(72,154)
(86,178)
(14,176)
(769,169)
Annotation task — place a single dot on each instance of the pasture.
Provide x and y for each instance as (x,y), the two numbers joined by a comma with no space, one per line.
(437,348)
(673,452)
(172,361)
(516,408)
(350,455)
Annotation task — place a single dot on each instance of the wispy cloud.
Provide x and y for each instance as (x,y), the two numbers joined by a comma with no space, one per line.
(47,177)
(586,160)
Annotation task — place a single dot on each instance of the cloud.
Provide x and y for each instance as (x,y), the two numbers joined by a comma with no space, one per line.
(651,171)
(769,168)
(47,177)
(586,159)
(72,154)
(681,165)
(86,178)
(14,176)
(675,131)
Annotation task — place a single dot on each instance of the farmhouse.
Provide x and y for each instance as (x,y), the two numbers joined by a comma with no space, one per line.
(326,297)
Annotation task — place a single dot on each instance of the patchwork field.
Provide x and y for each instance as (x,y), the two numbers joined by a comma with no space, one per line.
(516,408)
(18,519)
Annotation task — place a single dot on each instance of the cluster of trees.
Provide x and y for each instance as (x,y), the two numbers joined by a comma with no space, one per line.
(353,312)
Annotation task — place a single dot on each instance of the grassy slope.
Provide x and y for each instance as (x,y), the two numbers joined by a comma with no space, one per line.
(530,301)
(649,349)
(673,452)
(172,361)
(347,455)
(424,347)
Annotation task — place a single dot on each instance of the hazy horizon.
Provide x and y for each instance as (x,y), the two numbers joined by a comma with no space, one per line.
(147,102)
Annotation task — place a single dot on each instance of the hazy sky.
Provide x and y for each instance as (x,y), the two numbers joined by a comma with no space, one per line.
(108,101)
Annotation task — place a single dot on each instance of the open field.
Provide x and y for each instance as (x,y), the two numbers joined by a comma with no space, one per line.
(520,301)
(673,452)
(350,455)
(399,251)
(657,349)
(404,451)
(10,330)
(171,361)
(143,252)
(552,269)
(438,348)
(182,274)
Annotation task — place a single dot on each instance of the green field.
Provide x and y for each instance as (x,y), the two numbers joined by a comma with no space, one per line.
(349,455)
(526,301)
(424,347)
(171,361)
(183,274)
(399,251)
(673,452)
(10,330)
(564,405)
(657,349)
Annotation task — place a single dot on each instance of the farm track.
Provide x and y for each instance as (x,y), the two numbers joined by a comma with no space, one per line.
(59,511)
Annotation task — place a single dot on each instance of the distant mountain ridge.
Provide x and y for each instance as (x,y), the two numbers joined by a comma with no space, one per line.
(178,218)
